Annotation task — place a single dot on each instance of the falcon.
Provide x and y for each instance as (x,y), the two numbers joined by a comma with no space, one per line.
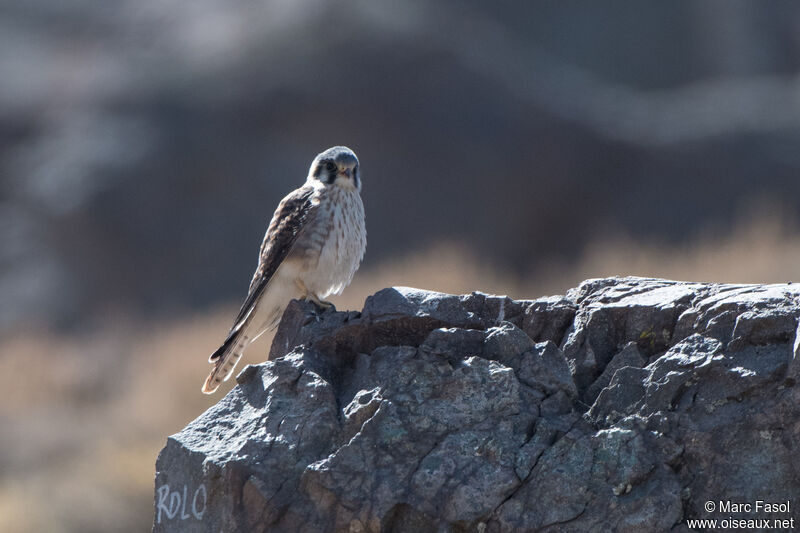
(313,246)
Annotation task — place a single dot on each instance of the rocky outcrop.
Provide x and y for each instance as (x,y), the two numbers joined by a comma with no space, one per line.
(627,404)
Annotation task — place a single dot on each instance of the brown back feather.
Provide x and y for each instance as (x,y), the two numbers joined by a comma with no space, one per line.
(287,223)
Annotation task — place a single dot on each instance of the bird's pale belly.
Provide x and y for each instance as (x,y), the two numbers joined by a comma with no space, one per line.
(331,275)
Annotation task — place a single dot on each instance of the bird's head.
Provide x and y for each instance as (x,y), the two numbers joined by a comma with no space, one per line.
(337,166)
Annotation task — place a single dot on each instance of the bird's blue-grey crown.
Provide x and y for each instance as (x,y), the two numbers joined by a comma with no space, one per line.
(338,162)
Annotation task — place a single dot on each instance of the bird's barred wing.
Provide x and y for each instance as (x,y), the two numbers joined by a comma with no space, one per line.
(287,223)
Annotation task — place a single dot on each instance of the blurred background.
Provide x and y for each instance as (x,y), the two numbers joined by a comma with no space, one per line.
(515,148)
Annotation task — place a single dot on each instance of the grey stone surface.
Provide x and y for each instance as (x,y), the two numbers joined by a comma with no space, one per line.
(628,356)
(624,405)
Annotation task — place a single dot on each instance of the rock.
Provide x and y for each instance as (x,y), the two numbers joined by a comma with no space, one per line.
(612,313)
(629,356)
(544,368)
(506,344)
(624,405)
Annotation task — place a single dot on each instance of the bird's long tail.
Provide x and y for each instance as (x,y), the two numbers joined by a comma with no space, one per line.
(225,359)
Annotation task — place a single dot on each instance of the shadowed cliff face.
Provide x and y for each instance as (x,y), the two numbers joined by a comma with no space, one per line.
(626,404)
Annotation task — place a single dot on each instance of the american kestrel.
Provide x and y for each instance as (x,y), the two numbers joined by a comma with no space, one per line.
(312,248)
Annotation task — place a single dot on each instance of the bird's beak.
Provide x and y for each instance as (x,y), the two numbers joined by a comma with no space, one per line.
(345,173)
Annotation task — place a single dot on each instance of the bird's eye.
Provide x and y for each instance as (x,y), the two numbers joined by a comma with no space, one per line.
(330,166)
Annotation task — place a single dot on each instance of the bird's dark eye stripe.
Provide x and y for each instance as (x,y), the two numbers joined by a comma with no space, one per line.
(330,166)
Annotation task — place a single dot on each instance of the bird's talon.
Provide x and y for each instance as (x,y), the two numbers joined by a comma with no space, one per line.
(322,305)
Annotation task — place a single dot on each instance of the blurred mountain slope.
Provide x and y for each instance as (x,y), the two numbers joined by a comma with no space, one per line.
(144,144)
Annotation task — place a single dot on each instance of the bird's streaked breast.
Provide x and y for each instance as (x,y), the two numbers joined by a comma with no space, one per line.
(337,242)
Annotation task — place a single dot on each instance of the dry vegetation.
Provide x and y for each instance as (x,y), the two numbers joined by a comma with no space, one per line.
(84,417)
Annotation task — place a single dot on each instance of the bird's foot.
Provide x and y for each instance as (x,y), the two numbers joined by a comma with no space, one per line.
(324,305)
(321,306)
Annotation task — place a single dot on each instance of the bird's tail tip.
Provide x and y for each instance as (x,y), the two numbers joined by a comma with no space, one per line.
(225,360)
(212,383)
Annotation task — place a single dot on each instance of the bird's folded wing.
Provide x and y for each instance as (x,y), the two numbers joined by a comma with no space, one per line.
(288,222)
